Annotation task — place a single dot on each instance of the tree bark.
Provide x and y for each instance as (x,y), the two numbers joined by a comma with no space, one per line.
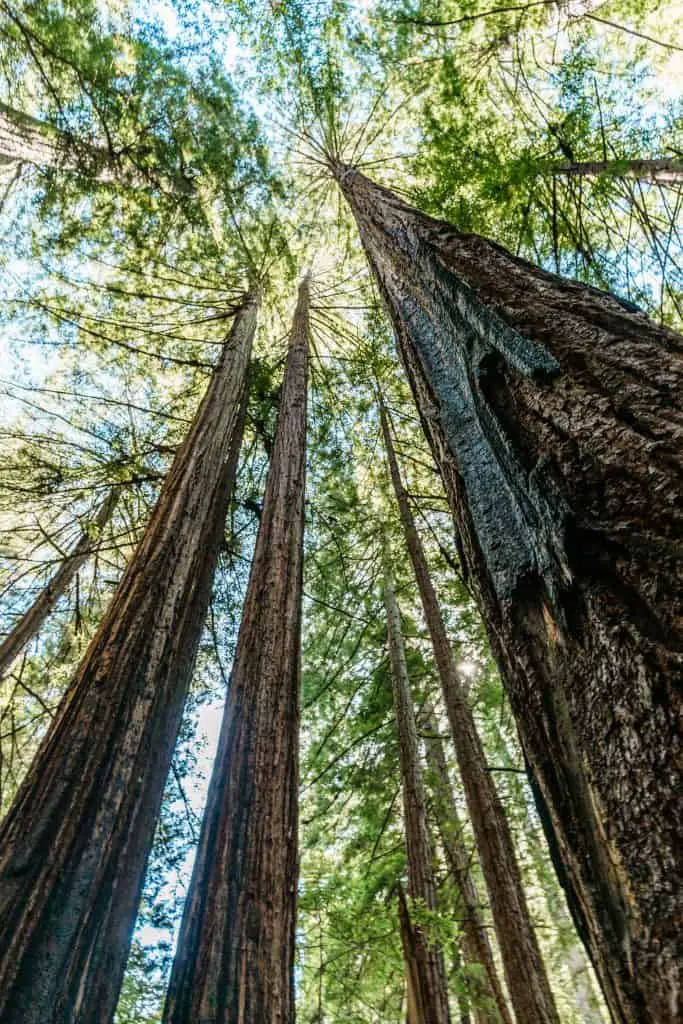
(75,842)
(490,1006)
(235,957)
(552,414)
(425,967)
(663,171)
(525,973)
(30,623)
(26,140)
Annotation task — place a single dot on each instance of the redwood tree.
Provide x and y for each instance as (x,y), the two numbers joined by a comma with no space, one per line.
(75,842)
(525,971)
(235,957)
(489,997)
(425,971)
(31,621)
(551,412)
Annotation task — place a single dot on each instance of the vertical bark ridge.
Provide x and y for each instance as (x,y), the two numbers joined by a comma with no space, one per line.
(554,416)
(235,957)
(525,972)
(31,622)
(476,945)
(74,844)
(424,961)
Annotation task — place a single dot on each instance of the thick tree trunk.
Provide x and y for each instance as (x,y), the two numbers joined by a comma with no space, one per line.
(490,1006)
(551,411)
(426,966)
(524,968)
(235,958)
(30,623)
(26,140)
(74,845)
(663,171)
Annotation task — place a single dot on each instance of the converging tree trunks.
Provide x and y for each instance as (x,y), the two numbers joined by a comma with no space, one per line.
(74,845)
(552,412)
(235,957)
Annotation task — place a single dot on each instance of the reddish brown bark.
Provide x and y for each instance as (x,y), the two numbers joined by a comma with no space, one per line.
(554,415)
(74,845)
(235,958)
(31,622)
(490,1006)
(426,973)
(524,968)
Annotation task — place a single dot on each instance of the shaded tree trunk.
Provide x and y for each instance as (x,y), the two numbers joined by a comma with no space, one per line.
(424,965)
(75,842)
(663,171)
(551,412)
(31,622)
(476,946)
(235,957)
(525,973)
(26,140)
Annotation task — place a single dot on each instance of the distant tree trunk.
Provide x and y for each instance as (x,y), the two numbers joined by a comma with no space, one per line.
(477,947)
(426,966)
(550,410)
(30,623)
(524,968)
(663,171)
(235,957)
(75,842)
(26,140)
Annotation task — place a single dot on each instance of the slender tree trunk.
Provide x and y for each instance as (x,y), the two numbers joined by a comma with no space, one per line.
(26,140)
(426,966)
(235,957)
(663,171)
(524,968)
(477,948)
(31,622)
(75,842)
(551,411)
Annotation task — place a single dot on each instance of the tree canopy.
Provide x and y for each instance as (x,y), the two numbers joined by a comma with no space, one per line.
(156,161)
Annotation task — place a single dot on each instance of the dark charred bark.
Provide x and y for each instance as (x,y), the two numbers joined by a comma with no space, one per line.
(235,958)
(74,845)
(552,414)
(425,966)
(490,1006)
(24,140)
(524,968)
(30,623)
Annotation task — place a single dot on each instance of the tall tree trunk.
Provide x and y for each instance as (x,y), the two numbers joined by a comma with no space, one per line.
(524,968)
(30,623)
(26,140)
(551,413)
(477,947)
(75,842)
(426,966)
(662,171)
(235,958)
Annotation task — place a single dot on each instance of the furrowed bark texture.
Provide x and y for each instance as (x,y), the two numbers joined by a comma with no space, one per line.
(552,412)
(31,621)
(74,845)
(235,958)
(26,140)
(426,965)
(524,968)
(490,1006)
